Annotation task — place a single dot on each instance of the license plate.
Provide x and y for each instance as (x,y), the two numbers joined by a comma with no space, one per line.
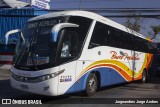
(38,61)
(25,87)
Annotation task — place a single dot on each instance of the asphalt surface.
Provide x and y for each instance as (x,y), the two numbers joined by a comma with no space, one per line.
(130,91)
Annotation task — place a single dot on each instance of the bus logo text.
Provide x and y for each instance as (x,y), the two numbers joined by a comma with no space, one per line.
(124,57)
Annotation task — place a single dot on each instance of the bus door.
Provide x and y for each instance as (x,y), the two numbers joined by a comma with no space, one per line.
(67,56)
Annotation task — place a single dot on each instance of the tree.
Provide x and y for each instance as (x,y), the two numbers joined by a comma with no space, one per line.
(156,30)
(134,23)
(154,34)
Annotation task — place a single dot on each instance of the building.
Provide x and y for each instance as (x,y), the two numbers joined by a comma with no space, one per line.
(13,17)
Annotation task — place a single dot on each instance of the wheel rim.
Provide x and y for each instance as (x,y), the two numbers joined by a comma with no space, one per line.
(92,84)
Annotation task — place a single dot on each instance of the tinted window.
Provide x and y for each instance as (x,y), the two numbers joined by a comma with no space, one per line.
(74,38)
(100,36)
(152,47)
(116,38)
(104,35)
(69,44)
(84,25)
(121,39)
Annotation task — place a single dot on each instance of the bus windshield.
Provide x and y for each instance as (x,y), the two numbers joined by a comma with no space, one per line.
(38,50)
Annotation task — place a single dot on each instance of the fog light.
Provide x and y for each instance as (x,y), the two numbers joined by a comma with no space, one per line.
(46,88)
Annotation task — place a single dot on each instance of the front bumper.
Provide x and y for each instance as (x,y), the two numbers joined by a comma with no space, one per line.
(48,87)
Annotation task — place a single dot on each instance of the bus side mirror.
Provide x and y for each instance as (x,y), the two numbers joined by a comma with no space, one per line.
(60,26)
(11,32)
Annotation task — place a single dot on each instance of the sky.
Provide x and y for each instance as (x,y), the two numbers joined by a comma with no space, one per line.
(108,3)
(97,4)
(56,4)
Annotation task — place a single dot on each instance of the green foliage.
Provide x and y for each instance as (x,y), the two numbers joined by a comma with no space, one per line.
(154,32)
(134,23)
(156,29)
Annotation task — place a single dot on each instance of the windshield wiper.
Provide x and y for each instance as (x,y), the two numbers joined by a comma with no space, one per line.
(32,53)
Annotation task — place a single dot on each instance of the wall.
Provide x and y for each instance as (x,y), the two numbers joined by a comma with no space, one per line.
(13,19)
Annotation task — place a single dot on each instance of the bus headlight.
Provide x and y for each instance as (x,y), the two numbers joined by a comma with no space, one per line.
(36,79)
(49,76)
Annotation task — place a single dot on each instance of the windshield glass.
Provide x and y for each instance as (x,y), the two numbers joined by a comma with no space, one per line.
(38,51)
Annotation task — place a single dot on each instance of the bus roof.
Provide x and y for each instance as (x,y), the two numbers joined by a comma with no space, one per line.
(90,15)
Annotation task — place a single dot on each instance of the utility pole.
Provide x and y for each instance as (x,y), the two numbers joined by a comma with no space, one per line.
(30,3)
(80,3)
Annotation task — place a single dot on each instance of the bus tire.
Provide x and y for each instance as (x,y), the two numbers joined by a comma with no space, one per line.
(144,77)
(91,85)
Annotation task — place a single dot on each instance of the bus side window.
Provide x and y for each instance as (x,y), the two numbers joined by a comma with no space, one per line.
(152,47)
(129,42)
(116,39)
(125,40)
(100,36)
(82,31)
(69,46)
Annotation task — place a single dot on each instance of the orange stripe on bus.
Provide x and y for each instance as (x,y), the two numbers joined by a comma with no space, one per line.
(119,70)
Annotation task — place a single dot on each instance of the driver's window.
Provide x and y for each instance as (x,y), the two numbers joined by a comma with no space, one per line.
(69,46)
(66,49)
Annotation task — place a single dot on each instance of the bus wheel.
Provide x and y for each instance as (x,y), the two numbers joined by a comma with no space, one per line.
(92,84)
(144,77)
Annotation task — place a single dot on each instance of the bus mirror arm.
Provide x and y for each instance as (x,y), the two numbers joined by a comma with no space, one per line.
(60,26)
(12,32)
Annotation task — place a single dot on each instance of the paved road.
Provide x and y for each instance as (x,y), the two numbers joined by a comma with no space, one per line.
(131,90)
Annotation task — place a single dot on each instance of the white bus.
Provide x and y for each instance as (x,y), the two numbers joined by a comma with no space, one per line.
(71,51)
